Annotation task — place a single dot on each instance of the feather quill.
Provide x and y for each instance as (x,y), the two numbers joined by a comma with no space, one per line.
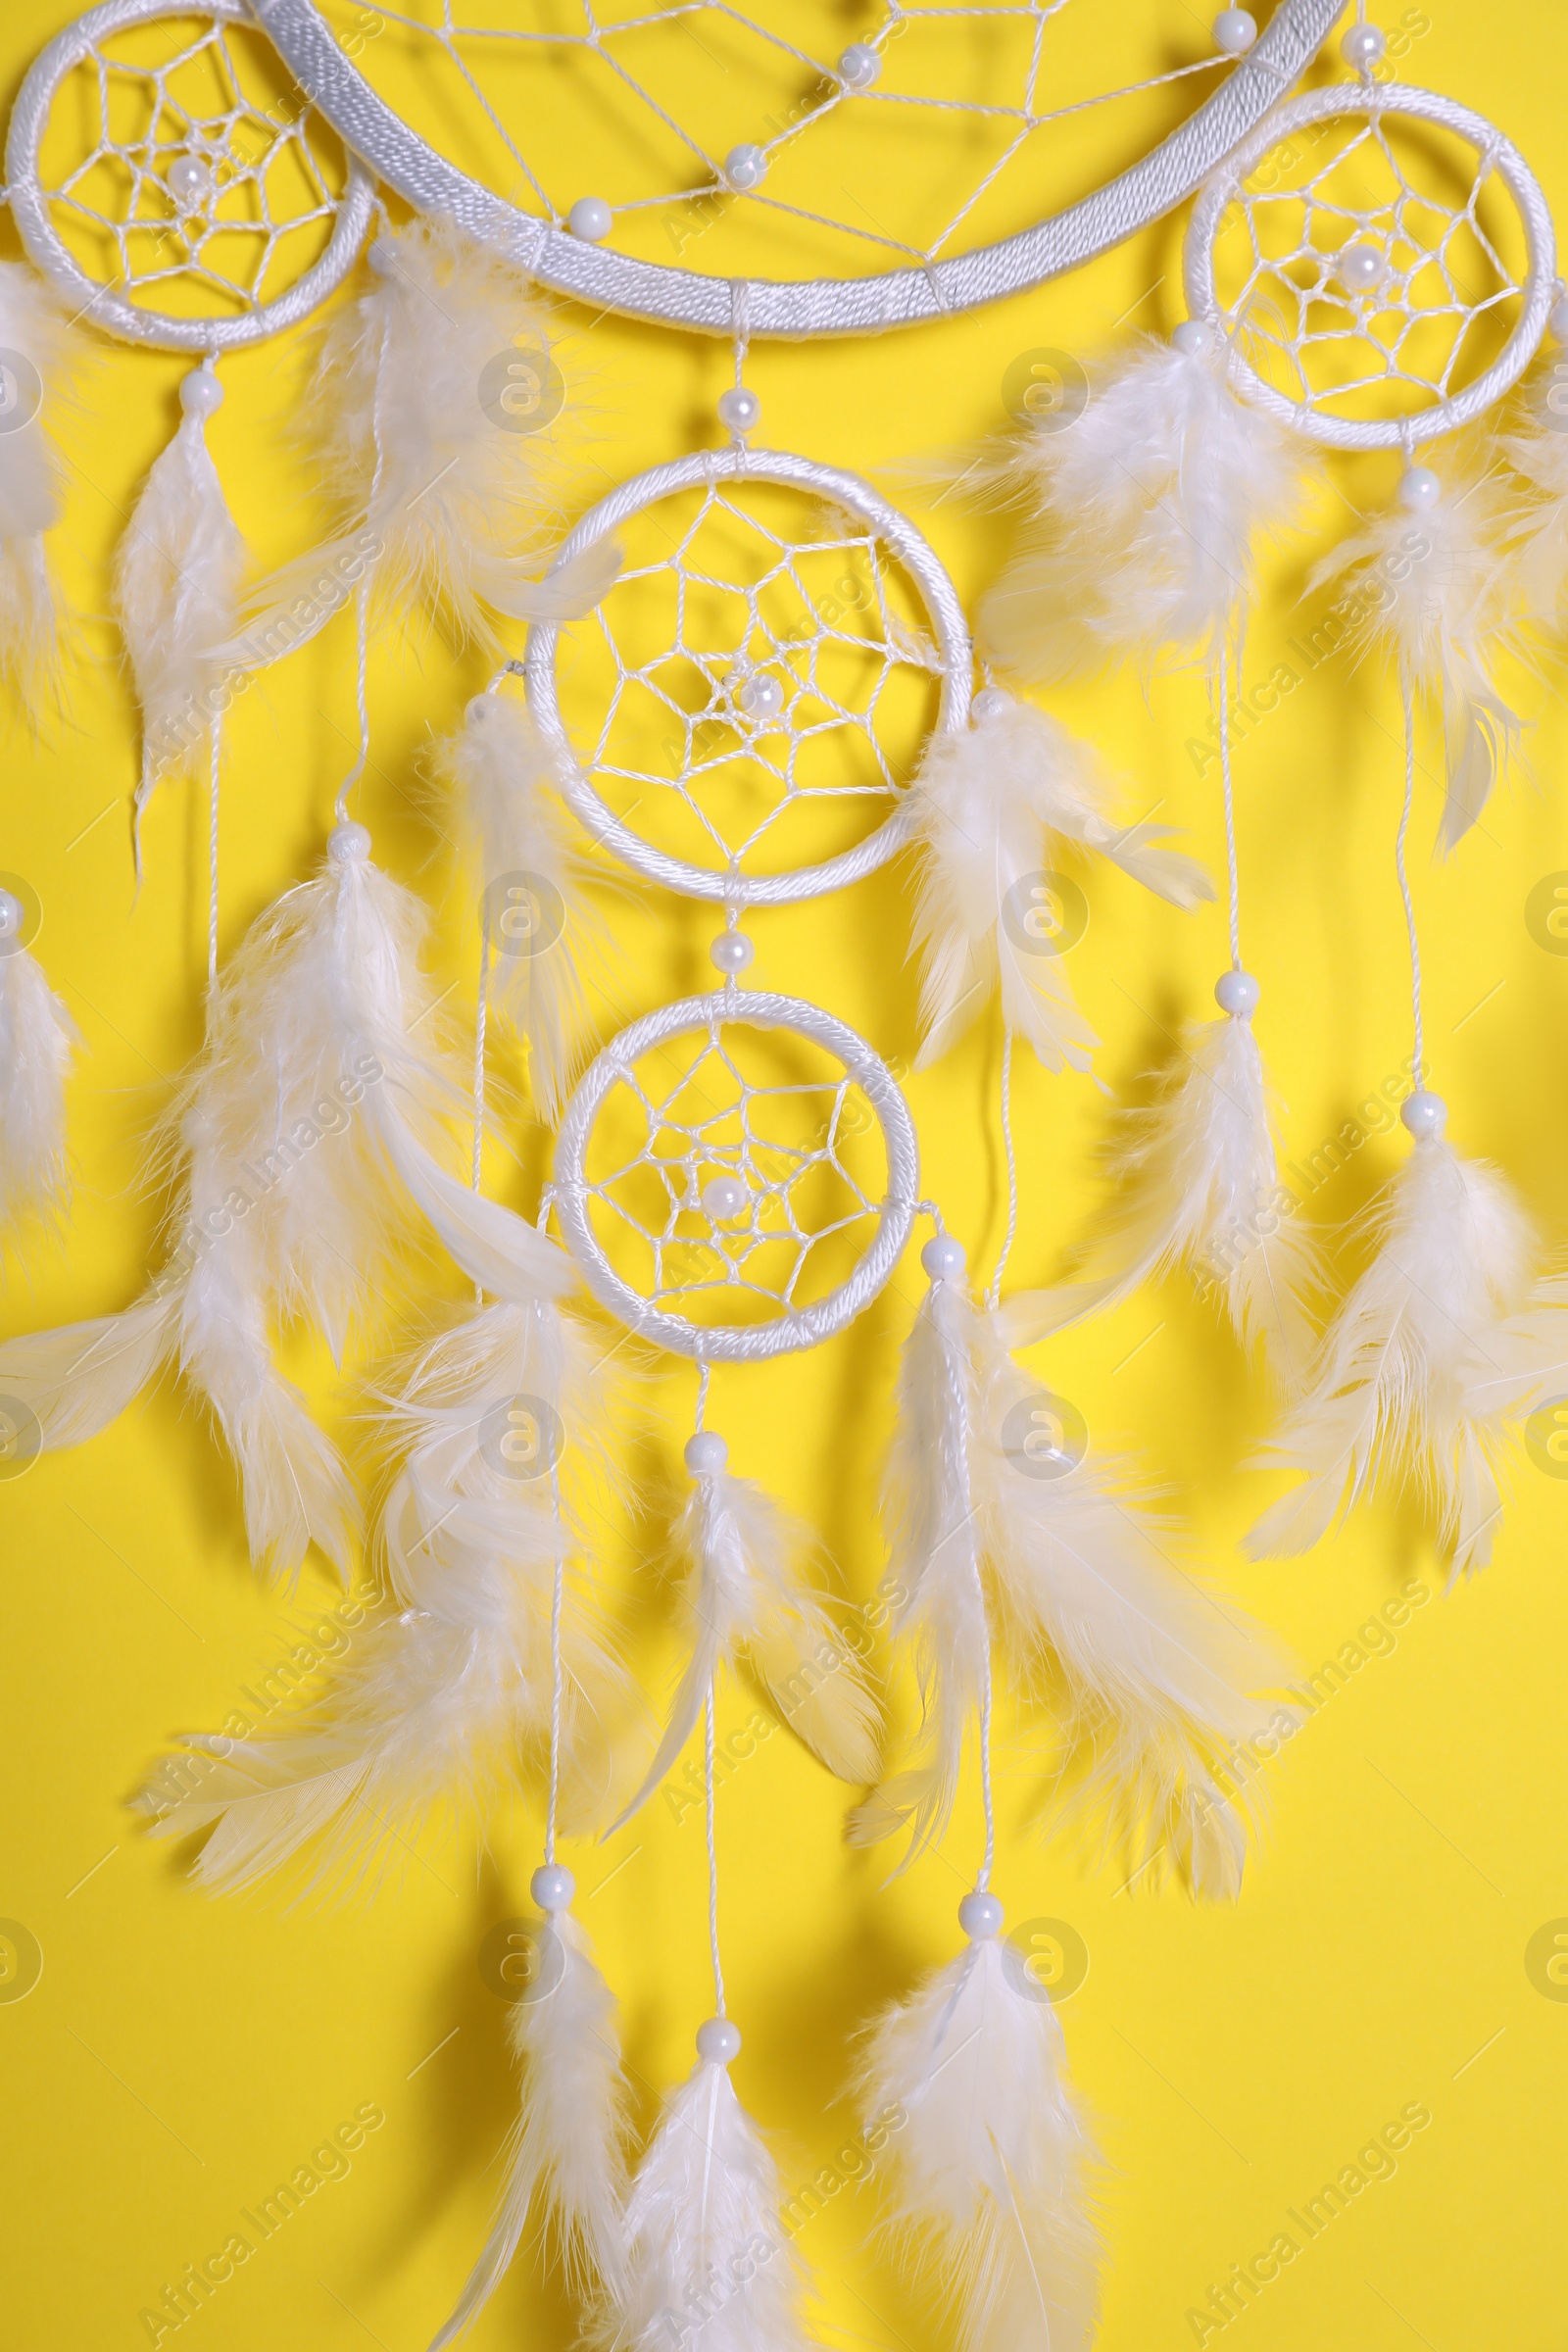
(33,329)
(36,1038)
(1000,808)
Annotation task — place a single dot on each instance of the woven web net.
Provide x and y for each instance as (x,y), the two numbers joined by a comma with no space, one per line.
(756,689)
(981,120)
(734,1174)
(183,169)
(1446,242)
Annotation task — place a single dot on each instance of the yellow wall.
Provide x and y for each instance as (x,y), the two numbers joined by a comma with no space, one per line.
(180,2056)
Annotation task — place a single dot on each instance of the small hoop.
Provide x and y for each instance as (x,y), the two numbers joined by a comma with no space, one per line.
(1445,416)
(727,885)
(797,1328)
(50,254)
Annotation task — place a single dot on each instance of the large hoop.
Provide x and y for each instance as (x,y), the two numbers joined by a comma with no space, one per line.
(917,559)
(795,1329)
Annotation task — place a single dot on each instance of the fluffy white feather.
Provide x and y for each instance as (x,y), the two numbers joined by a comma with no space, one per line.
(36,1038)
(565,2151)
(1431,590)
(177,573)
(1537,531)
(709,2267)
(1015,797)
(1196,1182)
(35,327)
(1401,1391)
(991,2165)
(1148,510)
(508,794)
(81,1376)
(744,1599)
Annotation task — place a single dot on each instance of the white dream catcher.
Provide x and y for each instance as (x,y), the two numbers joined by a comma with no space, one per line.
(771,694)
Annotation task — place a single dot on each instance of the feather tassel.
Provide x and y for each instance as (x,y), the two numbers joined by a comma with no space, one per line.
(34,330)
(1147,511)
(1401,1394)
(36,1038)
(1198,1180)
(1000,808)
(990,2167)
(1535,533)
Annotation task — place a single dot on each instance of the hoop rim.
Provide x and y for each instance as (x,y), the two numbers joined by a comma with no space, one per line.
(915,552)
(902,297)
(1426,106)
(53,258)
(723,1344)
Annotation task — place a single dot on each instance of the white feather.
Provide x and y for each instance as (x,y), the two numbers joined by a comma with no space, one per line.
(177,573)
(81,1376)
(1012,798)
(1149,508)
(35,327)
(1399,1394)
(508,798)
(991,2164)
(1432,591)
(1196,1182)
(710,2268)
(565,2149)
(36,1037)
(1537,531)
(743,1597)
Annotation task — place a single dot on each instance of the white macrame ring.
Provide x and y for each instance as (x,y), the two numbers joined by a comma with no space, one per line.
(1423,105)
(49,253)
(727,885)
(739,1344)
(825,306)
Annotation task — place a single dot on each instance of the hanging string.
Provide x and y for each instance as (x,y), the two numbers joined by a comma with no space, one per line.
(960,1408)
(1419,1062)
(361,662)
(556,1596)
(704,1375)
(712,1853)
(213,757)
(994,1295)
(1228,788)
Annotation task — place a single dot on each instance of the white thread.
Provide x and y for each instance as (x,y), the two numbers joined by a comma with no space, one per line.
(556,1596)
(713,1854)
(1419,1069)
(1228,789)
(960,1409)
(705,1373)
(213,760)
(994,1295)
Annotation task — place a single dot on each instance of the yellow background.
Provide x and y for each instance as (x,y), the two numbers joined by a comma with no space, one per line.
(180,2056)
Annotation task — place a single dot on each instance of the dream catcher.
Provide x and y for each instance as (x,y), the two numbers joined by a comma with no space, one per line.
(749,681)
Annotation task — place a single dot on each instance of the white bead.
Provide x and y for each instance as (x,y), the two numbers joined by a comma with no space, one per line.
(9,914)
(553,1887)
(739,410)
(717,2038)
(189,180)
(860,66)
(762,697)
(348,843)
(1235,32)
(590,218)
(1424,1114)
(943,1257)
(1419,489)
(724,1198)
(706,1454)
(990,702)
(980,1916)
(1238,993)
(1190,338)
(1363,47)
(1557,320)
(1361,268)
(745,165)
(731,952)
(200,393)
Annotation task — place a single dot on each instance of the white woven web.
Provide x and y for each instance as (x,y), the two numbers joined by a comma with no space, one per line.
(1429,207)
(787,1140)
(752,679)
(260,210)
(1025,106)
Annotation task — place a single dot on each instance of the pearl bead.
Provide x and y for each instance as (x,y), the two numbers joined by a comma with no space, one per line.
(1361,268)
(1235,32)
(1557,320)
(731,952)
(1238,993)
(349,844)
(201,394)
(1363,47)
(860,66)
(706,1454)
(943,1257)
(553,1887)
(1424,1114)
(1419,489)
(9,914)
(724,1198)
(590,218)
(189,180)
(1190,338)
(717,2040)
(739,411)
(762,697)
(980,1916)
(746,166)
(990,702)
